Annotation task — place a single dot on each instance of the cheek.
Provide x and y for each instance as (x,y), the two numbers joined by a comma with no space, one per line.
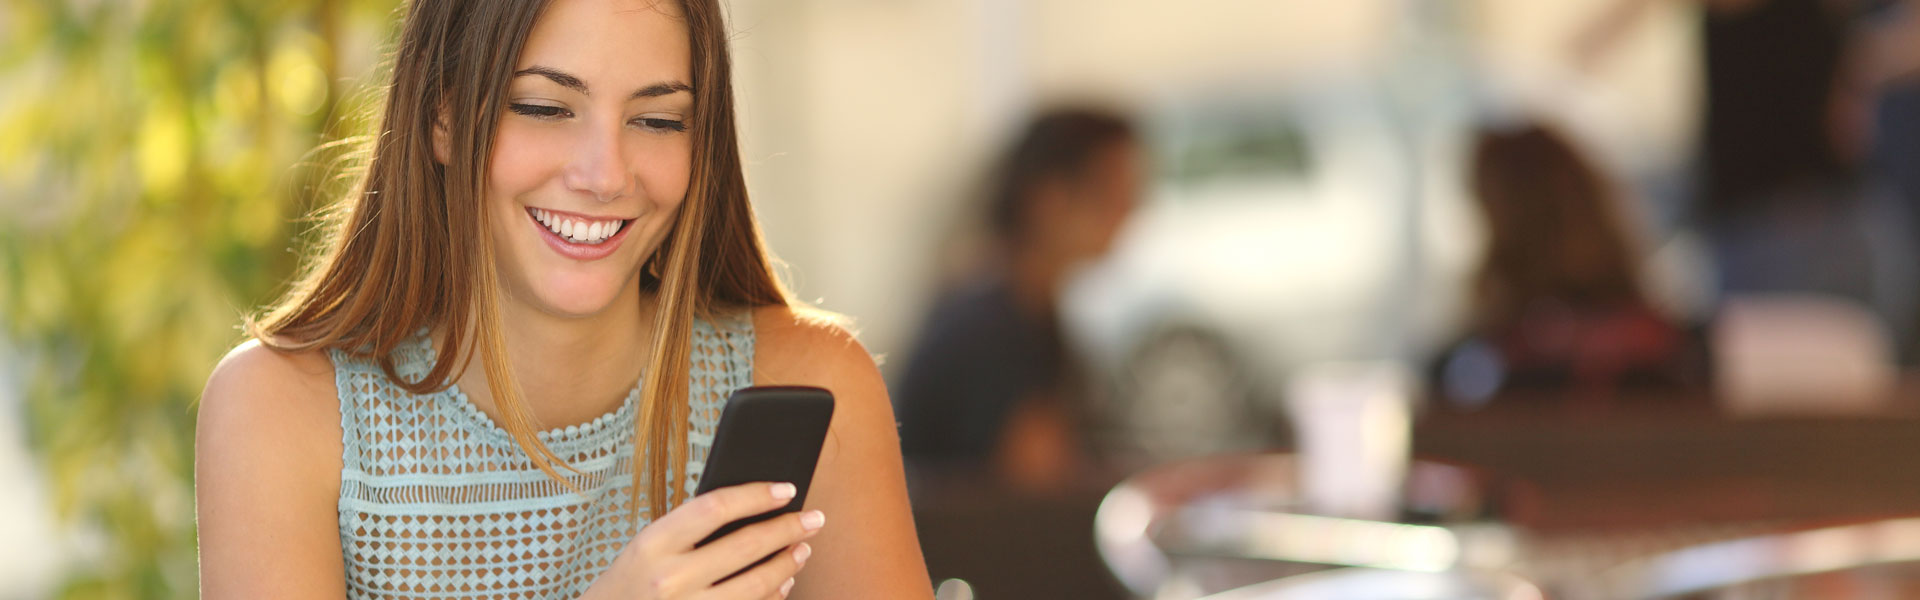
(664,171)
(522,160)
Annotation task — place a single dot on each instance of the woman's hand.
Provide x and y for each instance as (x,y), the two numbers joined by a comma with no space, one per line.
(662,564)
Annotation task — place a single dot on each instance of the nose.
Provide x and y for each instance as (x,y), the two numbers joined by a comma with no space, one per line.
(598,166)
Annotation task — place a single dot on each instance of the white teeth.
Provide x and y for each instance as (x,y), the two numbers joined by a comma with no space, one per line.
(579,232)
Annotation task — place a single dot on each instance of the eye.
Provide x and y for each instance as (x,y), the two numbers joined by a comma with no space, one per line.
(657,124)
(539,111)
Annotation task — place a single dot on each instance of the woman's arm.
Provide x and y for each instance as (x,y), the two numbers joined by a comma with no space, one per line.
(868,548)
(267,477)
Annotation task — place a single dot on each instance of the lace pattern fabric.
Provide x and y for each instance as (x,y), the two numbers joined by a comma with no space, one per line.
(437,501)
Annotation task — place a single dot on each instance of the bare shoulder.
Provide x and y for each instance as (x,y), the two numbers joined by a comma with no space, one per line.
(869,549)
(267,457)
(262,398)
(261,382)
(806,346)
(252,360)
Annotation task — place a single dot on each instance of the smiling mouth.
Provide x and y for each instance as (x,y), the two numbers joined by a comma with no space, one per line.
(578,230)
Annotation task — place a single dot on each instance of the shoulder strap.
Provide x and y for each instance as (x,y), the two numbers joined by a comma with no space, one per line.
(356,380)
(737,329)
(369,400)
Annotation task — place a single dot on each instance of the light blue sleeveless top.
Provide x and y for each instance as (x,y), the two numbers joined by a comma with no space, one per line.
(437,501)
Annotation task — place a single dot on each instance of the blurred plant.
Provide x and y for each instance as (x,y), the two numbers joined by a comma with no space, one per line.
(154,156)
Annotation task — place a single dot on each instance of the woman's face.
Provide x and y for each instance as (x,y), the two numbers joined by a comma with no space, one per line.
(591,159)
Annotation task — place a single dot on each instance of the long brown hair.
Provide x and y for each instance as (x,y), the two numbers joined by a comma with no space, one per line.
(388,264)
(1553,228)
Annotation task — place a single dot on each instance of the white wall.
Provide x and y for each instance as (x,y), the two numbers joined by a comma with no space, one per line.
(866,121)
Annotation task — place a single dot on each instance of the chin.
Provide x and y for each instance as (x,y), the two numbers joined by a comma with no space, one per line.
(579,295)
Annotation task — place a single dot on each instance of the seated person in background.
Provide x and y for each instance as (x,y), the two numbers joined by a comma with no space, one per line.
(989,383)
(1558,304)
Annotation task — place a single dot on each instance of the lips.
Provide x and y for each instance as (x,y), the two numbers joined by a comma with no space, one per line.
(577,236)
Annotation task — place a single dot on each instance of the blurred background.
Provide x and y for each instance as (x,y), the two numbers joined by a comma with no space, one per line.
(1579,286)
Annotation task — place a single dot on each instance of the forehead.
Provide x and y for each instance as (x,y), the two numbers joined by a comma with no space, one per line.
(612,42)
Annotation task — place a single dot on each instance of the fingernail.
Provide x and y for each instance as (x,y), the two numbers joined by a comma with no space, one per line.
(786,587)
(801,552)
(784,491)
(813,519)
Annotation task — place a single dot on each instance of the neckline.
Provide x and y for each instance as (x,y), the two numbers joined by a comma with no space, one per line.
(621,413)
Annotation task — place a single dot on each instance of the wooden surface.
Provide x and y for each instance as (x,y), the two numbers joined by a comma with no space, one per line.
(1649,467)
(1590,484)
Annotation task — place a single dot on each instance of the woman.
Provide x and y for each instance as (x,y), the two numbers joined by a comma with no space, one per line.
(990,383)
(1558,302)
(552,232)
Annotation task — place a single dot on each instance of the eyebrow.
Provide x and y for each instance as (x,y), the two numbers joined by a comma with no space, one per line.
(571,82)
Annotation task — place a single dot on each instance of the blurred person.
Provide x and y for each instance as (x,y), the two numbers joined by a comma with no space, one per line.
(1558,304)
(1782,191)
(989,383)
(1771,76)
(552,231)
(1886,74)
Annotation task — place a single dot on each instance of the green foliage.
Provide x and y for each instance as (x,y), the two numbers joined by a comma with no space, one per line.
(155,158)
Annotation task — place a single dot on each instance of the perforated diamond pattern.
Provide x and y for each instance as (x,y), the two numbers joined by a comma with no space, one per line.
(437,501)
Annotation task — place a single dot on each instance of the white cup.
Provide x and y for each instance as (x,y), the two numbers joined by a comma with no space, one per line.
(1353,428)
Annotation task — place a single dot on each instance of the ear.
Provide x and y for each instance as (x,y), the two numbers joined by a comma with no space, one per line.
(442,138)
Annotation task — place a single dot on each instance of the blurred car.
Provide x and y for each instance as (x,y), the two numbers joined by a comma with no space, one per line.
(1283,230)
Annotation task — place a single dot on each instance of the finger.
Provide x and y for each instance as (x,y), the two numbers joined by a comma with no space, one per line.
(785,589)
(677,530)
(742,548)
(773,579)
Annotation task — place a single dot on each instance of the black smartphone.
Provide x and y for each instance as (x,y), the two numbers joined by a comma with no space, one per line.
(767,433)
